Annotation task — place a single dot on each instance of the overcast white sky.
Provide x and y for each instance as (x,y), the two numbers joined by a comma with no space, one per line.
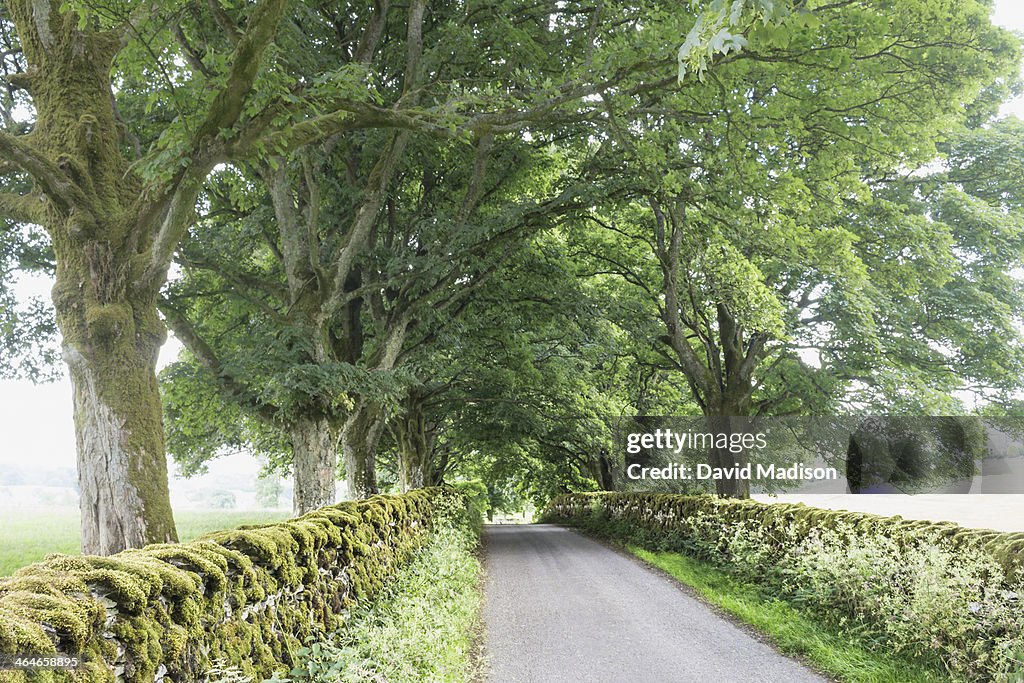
(36,427)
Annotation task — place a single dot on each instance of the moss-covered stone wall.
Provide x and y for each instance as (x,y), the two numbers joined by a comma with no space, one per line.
(793,522)
(249,596)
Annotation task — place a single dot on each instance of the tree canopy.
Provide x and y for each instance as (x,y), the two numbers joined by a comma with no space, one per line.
(459,239)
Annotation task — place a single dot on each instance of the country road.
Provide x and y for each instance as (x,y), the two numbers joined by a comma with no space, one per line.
(563,608)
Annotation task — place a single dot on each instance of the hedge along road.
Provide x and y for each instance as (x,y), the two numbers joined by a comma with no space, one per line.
(563,608)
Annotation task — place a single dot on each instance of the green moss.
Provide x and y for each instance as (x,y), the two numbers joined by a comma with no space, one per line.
(207,567)
(21,630)
(1006,548)
(251,596)
(109,321)
(72,621)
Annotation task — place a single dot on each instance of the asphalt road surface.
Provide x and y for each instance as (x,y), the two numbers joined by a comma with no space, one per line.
(562,608)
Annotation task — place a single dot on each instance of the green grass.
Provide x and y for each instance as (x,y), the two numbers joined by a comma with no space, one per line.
(420,628)
(29,534)
(792,632)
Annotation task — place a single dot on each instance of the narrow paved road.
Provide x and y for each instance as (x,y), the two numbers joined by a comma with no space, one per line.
(561,608)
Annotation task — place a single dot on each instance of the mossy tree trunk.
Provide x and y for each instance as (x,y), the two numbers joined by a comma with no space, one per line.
(111,352)
(113,234)
(365,424)
(415,446)
(314,448)
(359,440)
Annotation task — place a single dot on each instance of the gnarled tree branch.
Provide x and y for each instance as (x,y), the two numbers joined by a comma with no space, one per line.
(24,208)
(61,190)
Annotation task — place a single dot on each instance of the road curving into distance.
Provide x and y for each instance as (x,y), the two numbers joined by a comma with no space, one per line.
(561,607)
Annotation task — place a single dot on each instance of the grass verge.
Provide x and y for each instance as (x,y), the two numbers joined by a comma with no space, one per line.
(420,628)
(790,630)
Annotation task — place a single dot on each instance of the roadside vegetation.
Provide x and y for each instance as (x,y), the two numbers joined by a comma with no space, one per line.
(858,602)
(422,626)
(420,629)
(792,631)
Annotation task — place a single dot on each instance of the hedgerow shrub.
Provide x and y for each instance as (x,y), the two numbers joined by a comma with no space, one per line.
(930,590)
(250,597)
(925,599)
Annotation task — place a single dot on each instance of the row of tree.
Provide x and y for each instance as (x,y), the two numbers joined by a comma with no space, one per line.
(455,238)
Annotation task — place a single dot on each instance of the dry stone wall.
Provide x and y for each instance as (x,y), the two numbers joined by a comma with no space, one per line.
(247,596)
(791,522)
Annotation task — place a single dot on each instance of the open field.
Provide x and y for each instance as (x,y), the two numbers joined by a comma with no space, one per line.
(29,534)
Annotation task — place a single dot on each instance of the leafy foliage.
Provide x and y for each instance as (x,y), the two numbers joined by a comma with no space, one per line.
(479,232)
(939,594)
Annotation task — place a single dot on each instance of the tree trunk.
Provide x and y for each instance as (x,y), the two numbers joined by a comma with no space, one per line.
(314,459)
(414,450)
(603,471)
(122,468)
(111,339)
(359,445)
(730,486)
(721,381)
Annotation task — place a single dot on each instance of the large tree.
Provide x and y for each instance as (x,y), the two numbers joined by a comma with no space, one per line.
(452,217)
(114,118)
(315,275)
(768,219)
(113,229)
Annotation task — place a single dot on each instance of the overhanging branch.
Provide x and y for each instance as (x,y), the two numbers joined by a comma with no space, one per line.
(227,105)
(172,211)
(204,353)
